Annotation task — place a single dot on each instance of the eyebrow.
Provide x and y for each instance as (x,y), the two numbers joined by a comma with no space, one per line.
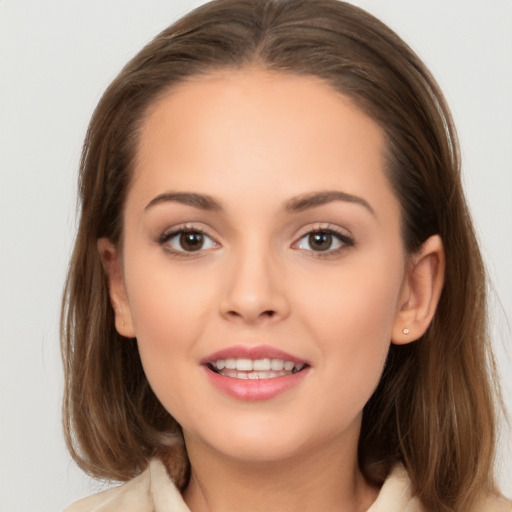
(200,201)
(294,205)
(301,203)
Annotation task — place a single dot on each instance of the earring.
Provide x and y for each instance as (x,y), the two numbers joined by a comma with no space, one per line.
(405,330)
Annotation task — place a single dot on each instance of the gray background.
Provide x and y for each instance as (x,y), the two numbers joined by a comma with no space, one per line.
(56,58)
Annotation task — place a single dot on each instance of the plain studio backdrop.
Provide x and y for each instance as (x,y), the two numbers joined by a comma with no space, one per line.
(56,58)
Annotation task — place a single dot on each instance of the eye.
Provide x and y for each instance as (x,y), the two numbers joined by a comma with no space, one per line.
(323,240)
(188,240)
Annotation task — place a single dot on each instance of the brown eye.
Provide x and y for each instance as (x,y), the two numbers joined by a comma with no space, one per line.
(191,240)
(320,241)
(187,241)
(324,240)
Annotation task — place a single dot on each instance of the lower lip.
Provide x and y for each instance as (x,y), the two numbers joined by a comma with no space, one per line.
(257,389)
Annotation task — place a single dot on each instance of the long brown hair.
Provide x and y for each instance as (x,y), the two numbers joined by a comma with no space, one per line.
(434,407)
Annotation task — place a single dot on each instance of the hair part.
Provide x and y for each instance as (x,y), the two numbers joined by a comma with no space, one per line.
(434,407)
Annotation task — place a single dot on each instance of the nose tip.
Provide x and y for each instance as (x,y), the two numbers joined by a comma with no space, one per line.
(255,294)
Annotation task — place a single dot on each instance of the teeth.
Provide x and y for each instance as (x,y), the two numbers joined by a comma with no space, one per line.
(230,364)
(244,365)
(261,365)
(288,366)
(243,368)
(277,364)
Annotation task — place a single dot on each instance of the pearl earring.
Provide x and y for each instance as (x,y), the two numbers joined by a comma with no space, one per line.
(405,330)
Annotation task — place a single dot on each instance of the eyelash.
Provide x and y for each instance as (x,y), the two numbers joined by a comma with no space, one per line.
(168,236)
(345,241)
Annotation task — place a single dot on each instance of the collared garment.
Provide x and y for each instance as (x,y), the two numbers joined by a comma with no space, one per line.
(154,491)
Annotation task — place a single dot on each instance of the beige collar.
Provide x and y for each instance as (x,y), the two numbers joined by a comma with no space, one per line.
(154,491)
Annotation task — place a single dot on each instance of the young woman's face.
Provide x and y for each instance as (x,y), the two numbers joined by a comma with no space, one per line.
(262,263)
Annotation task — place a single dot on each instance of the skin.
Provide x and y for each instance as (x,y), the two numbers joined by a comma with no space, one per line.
(256,142)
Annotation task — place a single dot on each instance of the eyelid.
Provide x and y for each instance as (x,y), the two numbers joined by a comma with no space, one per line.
(343,235)
(175,231)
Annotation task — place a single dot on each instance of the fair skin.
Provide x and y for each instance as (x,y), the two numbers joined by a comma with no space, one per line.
(260,226)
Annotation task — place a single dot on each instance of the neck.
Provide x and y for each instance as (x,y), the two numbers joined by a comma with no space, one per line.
(328,480)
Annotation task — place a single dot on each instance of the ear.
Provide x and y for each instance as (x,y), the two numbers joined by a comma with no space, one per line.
(420,292)
(111,260)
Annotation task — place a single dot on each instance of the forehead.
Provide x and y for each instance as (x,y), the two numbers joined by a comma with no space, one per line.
(250,98)
(253,128)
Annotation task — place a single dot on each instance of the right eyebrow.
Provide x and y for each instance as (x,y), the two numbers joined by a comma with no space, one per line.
(201,201)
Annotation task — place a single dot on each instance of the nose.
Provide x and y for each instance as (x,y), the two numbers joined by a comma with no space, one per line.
(255,289)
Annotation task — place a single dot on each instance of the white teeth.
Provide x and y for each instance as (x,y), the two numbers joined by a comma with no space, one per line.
(276,364)
(266,368)
(288,365)
(244,365)
(261,365)
(253,375)
(230,364)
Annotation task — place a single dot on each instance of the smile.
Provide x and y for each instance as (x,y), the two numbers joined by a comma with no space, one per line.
(244,368)
(255,373)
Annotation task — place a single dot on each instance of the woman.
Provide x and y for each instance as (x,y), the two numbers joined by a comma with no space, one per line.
(276,299)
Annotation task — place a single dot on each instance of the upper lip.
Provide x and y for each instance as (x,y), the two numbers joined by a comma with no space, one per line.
(251,352)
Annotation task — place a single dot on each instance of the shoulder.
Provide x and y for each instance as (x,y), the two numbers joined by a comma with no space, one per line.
(493,503)
(133,495)
(396,494)
(151,491)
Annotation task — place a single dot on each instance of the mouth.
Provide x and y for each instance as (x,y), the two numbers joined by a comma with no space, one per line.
(254,373)
(255,369)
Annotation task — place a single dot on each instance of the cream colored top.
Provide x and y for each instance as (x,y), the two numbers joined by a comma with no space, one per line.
(154,491)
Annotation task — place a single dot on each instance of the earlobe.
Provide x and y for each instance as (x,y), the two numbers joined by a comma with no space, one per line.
(111,260)
(421,291)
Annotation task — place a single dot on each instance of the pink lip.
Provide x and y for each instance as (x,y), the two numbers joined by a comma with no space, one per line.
(251,390)
(251,352)
(258,389)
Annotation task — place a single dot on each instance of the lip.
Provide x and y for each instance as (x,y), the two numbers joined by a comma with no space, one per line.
(258,389)
(251,352)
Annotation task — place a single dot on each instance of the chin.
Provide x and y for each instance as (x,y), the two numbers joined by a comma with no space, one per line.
(250,451)
(268,442)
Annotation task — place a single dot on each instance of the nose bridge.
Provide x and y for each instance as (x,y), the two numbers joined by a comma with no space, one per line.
(254,290)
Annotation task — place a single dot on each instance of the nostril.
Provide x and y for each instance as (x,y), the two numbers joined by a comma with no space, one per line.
(270,313)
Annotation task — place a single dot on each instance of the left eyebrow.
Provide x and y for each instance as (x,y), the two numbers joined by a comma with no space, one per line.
(301,203)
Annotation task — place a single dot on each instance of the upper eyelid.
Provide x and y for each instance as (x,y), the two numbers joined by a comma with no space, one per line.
(171,232)
(323,226)
(344,236)
(178,228)
(164,241)
(305,230)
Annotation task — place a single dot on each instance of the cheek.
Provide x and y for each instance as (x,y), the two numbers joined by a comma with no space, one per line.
(352,322)
(167,315)
(169,308)
(356,303)
(167,300)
